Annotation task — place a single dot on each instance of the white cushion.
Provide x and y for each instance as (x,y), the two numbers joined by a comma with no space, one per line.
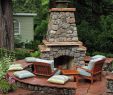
(92,62)
(15,67)
(33,59)
(23,74)
(43,60)
(59,79)
(30,59)
(83,72)
(98,56)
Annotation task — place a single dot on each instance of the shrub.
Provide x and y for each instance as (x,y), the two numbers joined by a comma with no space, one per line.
(21,53)
(6,87)
(40,31)
(4,65)
(4,52)
(6,58)
(5,62)
(32,44)
(35,54)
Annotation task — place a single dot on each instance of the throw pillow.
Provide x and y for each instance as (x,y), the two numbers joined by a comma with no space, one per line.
(58,79)
(15,67)
(23,74)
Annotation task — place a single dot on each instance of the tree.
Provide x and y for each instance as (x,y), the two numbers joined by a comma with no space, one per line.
(1,26)
(94,22)
(6,25)
(93,19)
(29,6)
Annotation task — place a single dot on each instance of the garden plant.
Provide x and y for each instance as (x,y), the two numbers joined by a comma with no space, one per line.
(5,61)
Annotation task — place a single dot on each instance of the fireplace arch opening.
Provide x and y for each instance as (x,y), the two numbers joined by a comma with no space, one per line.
(65,62)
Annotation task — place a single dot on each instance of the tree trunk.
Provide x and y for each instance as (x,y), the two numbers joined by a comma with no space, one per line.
(9,24)
(6,25)
(2,28)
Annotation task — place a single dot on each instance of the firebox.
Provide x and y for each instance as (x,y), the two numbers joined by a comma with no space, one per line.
(63,61)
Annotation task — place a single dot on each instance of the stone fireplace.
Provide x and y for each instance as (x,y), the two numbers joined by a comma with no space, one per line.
(61,43)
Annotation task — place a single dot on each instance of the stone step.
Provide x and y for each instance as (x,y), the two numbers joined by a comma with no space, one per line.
(78,43)
(43,48)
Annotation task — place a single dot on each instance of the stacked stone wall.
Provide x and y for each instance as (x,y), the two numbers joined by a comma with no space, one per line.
(62,27)
(46,90)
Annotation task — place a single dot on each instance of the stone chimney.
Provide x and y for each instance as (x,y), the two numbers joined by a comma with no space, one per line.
(61,43)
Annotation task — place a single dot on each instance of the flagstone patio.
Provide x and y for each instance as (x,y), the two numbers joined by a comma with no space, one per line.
(97,88)
(84,87)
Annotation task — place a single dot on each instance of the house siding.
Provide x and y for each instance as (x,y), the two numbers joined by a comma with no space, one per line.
(26,27)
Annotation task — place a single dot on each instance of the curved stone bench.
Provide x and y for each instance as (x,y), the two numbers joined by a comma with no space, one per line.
(40,85)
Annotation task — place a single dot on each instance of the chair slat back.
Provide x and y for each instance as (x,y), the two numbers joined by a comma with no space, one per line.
(42,68)
(98,66)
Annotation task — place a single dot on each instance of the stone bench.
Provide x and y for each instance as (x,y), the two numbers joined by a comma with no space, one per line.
(40,85)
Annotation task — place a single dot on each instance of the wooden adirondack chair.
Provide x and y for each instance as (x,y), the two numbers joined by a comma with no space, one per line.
(96,71)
